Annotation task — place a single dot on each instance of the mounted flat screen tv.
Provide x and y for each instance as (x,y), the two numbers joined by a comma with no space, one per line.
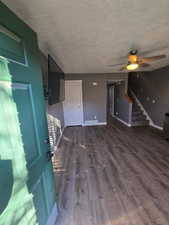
(56,82)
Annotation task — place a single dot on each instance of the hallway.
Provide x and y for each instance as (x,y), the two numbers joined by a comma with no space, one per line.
(112,175)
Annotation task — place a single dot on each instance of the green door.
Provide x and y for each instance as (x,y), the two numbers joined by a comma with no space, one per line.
(27,190)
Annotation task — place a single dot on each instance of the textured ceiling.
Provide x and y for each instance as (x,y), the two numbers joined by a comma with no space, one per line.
(85,36)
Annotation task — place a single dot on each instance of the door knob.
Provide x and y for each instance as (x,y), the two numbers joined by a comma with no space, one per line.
(49,155)
(46,141)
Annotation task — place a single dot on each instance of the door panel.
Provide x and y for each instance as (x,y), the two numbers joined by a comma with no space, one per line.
(26,171)
(12,46)
(22,98)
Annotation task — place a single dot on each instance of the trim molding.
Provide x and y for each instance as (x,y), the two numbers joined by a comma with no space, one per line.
(122,121)
(59,139)
(157,127)
(94,124)
(10,34)
(151,123)
(53,216)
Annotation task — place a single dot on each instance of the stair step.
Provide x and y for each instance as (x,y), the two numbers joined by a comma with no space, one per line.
(135,103)
(136,107)
(137,113)
(137,110)
(140,123)
(140,117)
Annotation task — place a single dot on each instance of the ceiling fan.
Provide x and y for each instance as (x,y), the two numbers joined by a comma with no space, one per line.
(135,62)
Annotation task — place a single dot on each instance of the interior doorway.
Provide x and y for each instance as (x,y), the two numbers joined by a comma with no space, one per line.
(110,101)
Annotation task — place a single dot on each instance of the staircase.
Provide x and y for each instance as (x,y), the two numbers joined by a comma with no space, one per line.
(137,118)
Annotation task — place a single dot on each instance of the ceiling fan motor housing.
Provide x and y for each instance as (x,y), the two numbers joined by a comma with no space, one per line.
(133,59)
(133,52)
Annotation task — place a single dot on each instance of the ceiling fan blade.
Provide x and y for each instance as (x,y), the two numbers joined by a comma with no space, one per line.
(152,58)
(123,68)
(144,65)
(119,64)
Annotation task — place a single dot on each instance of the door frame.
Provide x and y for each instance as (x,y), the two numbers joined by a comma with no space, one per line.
(53,216)
(80,82)
(112,98)
(110,101)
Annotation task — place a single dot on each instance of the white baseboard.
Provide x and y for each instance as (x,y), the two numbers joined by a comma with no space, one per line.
(157,127)
(59,139)
(151,123)
(53,216)
(122,121)
(93,123)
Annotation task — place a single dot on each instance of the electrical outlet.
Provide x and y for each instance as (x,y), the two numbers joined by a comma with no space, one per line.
(95,83)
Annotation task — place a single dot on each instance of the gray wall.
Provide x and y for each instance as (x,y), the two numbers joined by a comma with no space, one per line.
(54,112)
(121,104)
(95,97)
(94,100)
(150,87)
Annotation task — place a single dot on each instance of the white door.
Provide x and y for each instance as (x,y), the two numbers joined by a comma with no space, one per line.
(73,104)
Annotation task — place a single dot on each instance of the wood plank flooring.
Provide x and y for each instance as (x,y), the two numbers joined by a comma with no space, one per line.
(112,175)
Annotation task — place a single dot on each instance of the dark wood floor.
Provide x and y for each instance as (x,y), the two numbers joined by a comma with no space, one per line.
(112,175)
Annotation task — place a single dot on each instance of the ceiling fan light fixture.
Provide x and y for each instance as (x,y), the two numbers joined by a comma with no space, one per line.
(132,66)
